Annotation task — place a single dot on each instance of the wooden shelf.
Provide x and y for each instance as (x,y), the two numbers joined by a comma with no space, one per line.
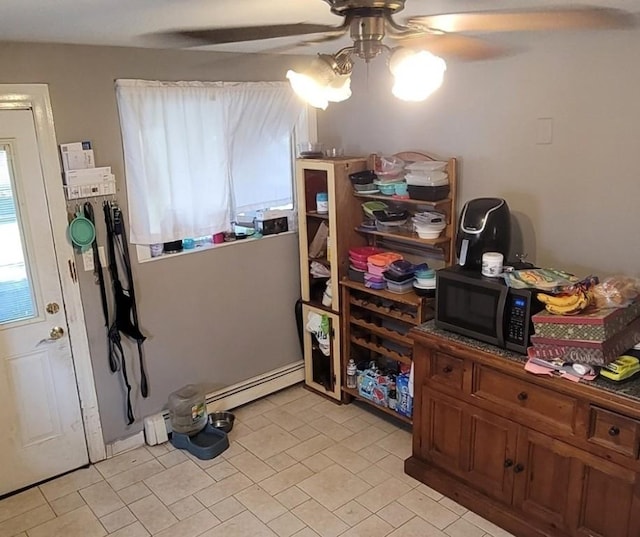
(354,393)
(382,331)
(406,236)
(316,214)
(388,353)
(381,197)
(318,305)
(410,298)
(322,260)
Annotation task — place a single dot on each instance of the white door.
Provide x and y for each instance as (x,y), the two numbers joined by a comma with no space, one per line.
(41,427)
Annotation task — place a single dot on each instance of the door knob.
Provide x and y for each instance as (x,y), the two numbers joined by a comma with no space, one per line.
(52,308)
(56,332)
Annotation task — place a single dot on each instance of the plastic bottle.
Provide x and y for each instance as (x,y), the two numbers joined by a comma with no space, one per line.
(393,394)
(352,378)
(188,410)
(322,202)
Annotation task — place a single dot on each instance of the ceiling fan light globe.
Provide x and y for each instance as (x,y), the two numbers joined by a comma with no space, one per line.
(308,89)
(339,89)
(416,74)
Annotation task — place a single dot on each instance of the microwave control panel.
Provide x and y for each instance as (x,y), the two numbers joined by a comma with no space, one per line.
(516,319)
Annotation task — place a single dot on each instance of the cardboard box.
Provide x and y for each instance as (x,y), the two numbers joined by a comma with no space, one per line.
(90,176)
(599,326)
(587,351)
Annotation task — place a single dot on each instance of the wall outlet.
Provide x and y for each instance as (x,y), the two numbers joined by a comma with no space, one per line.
(87,260)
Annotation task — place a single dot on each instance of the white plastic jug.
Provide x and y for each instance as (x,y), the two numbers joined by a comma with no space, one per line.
(188,410)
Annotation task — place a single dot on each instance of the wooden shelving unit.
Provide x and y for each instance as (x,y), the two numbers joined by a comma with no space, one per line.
(376,323)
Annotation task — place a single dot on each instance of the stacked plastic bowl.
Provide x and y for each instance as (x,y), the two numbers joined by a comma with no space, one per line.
(425,282)
(390,220)
(427,180)
(429,224)
(358,261)
(399,276)
(363,182)
(377,264)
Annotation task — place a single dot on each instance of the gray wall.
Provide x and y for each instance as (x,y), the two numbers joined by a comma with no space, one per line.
(576,200)
(214,317)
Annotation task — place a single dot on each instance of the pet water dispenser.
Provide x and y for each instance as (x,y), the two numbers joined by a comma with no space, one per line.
(190,423)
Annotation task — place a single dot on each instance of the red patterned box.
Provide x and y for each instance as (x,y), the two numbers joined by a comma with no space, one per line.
(599,326)
(587,351)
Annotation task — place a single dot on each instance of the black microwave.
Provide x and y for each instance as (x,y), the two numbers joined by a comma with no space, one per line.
(484,308)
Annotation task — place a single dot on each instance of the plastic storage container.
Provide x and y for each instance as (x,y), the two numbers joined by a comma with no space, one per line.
(188,410)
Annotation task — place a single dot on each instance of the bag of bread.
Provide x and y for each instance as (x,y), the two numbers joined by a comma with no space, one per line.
(616,292)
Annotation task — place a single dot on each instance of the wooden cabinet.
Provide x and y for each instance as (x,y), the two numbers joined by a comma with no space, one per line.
(532,464)
(332,178)
(324,239)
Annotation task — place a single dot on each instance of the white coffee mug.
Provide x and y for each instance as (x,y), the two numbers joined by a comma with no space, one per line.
(492,264)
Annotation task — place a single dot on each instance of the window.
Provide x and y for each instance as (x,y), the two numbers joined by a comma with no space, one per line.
(16,297)
(200,154)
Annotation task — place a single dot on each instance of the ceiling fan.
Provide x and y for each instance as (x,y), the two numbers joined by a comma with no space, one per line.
(369,22)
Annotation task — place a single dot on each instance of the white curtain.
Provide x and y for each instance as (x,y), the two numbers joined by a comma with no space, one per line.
(259,121)
(196,153)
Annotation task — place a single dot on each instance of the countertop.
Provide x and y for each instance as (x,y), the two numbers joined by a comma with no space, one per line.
(628,388)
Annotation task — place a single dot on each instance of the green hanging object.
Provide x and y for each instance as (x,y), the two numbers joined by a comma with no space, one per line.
(324,324)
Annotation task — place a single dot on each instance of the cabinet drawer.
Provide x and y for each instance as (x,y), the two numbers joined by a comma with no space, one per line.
(614,431)
(446,370)
(535,402)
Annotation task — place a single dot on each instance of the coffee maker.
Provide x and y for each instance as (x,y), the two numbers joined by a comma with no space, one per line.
(484,226)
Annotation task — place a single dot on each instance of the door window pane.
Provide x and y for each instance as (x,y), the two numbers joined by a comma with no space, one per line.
(16,297)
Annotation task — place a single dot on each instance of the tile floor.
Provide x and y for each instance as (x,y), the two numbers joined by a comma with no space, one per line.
(298,465)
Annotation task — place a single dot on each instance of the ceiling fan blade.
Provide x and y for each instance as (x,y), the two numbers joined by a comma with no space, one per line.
(526,20)
(458,47)
(217,36)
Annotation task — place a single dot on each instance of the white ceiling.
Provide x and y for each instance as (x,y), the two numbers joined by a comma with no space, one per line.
(129,22)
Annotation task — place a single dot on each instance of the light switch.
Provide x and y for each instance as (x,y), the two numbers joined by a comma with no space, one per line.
(544,131)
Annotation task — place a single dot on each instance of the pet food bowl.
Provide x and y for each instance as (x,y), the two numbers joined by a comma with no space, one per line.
(222,420)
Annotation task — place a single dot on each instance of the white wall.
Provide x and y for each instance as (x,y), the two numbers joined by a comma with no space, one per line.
(576,200)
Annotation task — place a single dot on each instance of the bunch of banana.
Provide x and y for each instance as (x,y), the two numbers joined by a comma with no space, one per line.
(567,303)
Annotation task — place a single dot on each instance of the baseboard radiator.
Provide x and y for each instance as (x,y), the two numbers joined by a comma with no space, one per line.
(157,426)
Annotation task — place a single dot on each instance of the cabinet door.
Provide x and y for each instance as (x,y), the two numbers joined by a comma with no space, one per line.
(490,458)
(441,430)
(605,500)
(322,356)
(543,471)
(314,228)
(477,446)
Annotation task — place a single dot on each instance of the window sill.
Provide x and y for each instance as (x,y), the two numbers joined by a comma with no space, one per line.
(144,254)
